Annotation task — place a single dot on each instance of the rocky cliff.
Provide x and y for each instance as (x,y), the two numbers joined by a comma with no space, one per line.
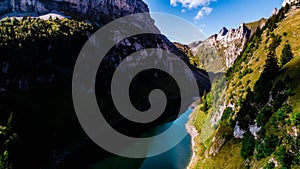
(219,51)
(95,10)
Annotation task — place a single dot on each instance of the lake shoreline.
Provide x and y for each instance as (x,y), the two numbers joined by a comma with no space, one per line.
(193,132)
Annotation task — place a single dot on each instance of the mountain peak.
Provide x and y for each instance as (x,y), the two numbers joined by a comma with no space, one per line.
(243,25)
(228,43)
(223,32)
(275,12)
(244,29)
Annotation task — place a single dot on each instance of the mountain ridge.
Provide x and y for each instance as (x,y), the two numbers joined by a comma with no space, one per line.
(259,124)
(97,10)
(225,46)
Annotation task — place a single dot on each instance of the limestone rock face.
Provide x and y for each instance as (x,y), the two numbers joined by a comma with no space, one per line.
(96,9)
(223,47)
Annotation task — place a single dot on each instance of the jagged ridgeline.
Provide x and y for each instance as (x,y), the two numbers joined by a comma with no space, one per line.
(260,126)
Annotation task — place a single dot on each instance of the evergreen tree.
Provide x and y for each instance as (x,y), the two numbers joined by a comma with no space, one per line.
(286,55)
(271,67)
(248,145)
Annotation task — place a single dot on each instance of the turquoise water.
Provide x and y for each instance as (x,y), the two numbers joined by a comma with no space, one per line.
(176,158)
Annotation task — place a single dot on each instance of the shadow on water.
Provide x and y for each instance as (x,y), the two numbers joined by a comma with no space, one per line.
(176,158)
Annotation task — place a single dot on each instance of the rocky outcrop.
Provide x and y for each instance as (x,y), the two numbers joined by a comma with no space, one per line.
(93,10)
(221,49)
(217,144)
(275,12)
(218,52)
(195,44)
(223,32)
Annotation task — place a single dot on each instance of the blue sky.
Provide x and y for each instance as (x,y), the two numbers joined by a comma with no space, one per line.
(211,15)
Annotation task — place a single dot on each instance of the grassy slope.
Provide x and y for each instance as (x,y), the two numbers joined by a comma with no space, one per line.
(229,155)
(254,25)
(194,60)
(292,27)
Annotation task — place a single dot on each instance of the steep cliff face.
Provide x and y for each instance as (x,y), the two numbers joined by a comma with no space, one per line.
(219,51)
(233,41)
(98,10)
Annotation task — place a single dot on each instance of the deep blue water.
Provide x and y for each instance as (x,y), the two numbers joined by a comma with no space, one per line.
(176,158)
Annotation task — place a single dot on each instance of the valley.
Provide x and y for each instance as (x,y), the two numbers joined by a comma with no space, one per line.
(247,116)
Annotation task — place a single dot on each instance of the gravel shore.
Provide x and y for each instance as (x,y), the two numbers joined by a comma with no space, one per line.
(193,133)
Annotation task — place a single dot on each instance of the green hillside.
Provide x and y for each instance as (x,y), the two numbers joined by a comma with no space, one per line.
(194,60)
(263,85)
(26,43)
(256,24)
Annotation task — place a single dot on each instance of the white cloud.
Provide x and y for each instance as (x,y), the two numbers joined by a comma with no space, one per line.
(183,10)
(173,2)
(204,11)
(191,3)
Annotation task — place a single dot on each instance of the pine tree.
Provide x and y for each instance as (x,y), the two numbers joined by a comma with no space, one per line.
(286,55)
(248,145)
(271,67)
